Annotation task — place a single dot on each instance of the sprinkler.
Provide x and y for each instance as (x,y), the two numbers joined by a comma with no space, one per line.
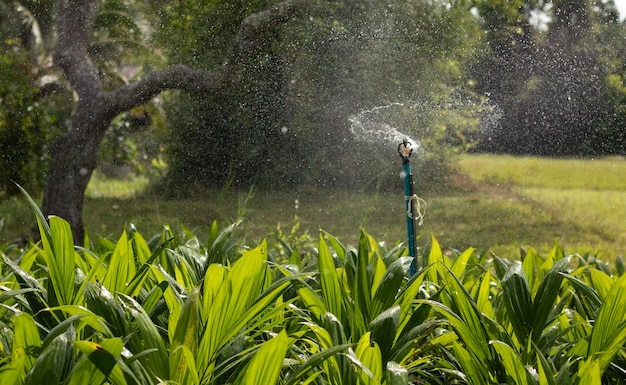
(405,149)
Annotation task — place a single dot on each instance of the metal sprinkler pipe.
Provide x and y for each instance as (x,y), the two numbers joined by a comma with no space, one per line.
(405,150)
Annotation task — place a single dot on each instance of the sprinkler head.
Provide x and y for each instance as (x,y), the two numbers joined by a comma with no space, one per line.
(405,150)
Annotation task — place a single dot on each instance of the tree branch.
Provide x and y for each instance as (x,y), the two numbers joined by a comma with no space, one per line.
(179,77)
(74,24)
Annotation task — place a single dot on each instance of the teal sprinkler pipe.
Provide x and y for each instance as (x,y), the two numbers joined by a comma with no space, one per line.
(405,150)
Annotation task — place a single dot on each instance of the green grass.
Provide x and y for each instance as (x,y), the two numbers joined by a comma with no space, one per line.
(585,197)
(505,203)
(562,173)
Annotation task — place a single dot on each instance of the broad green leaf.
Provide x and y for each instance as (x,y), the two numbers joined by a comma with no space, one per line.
(311,300)
(26,339)
(213,280)
(186,334)
(590,372)
(518,302)
(172,299)
(383,330)
(184,371)
(121,266)
(545,368)
(483,298)
(379,271)
(87,317)
(339,248)
(388,288)
(101,302)
(331,290)
(404,347)
(460,264)
(545,300)
(368,353)
(144,256)
(512,363)
(59,254)
(316,360)
(13,372)
(609,331)
(601,282)
(36,298)
(396,374)
(101,363)
(435,259)
(241,297)
(266,364)
(151,340)
(54,364)
(469,329)
(362,291)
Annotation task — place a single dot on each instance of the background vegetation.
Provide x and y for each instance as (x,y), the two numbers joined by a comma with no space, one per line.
(524,77)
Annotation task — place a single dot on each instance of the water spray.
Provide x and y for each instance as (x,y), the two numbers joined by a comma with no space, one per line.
(412,202)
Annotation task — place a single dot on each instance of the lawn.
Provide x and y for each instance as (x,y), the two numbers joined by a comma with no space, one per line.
(497,203)
(586,198)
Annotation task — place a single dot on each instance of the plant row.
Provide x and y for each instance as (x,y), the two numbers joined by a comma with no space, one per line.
(172,310)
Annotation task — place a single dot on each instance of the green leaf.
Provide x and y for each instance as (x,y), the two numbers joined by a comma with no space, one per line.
(512,363)
(518,302)
(186,334)
(396,374)
(362,291)
(101,302)
(590,372)
(266,364)
(151,340)
(25,339)
(101,363)
(368,353)
(545,368)
(609,331)
(383,330)
(388,288)
(460,264)
(54,364)
(331,289)
(121,266)
(186,372)
(61,261)
(545,300)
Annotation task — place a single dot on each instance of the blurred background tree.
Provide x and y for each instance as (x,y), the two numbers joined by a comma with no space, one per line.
(290,120)
(32,109)
(554,71)
(523,76)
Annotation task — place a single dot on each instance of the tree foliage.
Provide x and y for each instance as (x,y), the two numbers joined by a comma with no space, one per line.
(290,119)
(557,87)
(30,115)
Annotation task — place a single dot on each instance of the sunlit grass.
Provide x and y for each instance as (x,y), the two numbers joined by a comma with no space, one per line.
(565,173)
(103,187)
(587,197)
(601,212)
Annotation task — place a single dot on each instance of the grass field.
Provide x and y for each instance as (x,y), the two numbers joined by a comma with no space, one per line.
(586,198)
(500,203)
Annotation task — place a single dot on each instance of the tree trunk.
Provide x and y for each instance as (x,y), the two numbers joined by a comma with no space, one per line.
(74,158)
(75,154)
